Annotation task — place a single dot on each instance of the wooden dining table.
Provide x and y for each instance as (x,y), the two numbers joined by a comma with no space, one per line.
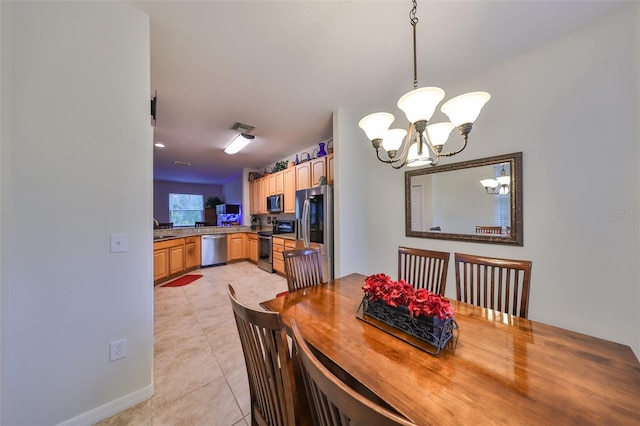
(498,369)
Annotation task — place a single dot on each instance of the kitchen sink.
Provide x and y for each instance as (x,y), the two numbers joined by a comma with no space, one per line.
(163,237)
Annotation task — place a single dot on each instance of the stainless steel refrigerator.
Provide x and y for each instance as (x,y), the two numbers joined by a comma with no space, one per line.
(314,213)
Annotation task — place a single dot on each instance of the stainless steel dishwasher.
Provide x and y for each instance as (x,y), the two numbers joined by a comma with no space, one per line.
(214,249)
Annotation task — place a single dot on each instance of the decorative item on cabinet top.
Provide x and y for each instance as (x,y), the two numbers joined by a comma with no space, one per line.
(321,151)
(280,165)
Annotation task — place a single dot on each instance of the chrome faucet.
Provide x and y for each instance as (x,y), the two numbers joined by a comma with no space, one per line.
(155,222)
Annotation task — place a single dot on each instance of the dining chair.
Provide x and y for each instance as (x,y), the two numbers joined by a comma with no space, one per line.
(488,229)
(423,268)
(494,283)
(332,401)
(303,268)
(275,385)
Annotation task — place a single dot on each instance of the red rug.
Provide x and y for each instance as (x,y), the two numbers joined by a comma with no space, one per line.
(184,280)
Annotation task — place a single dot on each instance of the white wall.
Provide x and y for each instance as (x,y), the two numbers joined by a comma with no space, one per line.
(563,106)
(76,167)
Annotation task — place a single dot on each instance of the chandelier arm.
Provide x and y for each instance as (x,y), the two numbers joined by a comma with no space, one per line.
(451,153)
(386,161)
(428,139)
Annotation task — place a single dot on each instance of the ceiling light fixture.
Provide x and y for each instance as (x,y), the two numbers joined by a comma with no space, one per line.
(238,143)
(158,145)
(418,106)
(499,185)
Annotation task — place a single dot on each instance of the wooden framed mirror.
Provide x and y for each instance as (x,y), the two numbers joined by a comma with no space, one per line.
(448,202)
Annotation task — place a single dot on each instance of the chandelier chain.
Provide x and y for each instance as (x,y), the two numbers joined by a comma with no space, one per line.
(414,22)
(412,14)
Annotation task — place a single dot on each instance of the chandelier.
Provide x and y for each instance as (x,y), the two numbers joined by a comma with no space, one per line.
(411,147)
(499,185)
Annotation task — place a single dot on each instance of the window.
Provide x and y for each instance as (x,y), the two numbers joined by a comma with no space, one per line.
(185,209)
(502,202)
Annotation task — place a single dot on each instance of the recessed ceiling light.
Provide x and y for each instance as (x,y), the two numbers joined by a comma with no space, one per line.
(159,145)
(181,163)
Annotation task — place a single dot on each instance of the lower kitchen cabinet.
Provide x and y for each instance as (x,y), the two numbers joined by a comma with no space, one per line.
(160,264)
(278,260)
(280,245)
(235,246)
(175,257)
(192,252)
(251,248)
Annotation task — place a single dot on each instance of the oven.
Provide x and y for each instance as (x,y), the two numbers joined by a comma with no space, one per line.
(265,254)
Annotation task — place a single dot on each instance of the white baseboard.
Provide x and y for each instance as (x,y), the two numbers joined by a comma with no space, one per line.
(110,408)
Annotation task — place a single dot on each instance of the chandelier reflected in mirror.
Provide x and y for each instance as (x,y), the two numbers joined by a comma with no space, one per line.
(499,185)
(412,147)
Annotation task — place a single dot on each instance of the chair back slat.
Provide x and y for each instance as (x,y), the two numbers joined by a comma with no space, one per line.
(303,268)
(423,268)
(270,369)
(488,229)
(494,283)
(333,403)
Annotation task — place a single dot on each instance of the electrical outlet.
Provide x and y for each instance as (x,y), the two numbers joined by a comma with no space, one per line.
(118,350)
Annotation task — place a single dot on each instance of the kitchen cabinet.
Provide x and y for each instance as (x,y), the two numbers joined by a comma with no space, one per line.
(277,249)
(330,169)
(253,199)
(251,248)
(289,244)
(192,252)
(280,245)
(235,246)
(303,176)
(279,179)
(264,184)
(272,184)
(318,169)
(289,190)
(160,264)
(175,257)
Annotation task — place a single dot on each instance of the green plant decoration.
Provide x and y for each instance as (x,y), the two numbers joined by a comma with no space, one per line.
(213,201)
(280,165)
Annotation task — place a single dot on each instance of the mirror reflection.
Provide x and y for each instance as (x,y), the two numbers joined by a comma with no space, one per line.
(478,200)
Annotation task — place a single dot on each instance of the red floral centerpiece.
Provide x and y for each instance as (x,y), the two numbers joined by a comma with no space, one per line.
(419,312)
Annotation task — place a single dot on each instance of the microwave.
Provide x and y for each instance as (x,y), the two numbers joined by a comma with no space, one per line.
(275,203)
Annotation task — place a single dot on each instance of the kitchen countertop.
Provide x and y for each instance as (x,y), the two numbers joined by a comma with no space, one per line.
(167,234)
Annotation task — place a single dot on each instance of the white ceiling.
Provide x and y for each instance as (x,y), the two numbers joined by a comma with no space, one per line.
(284,66)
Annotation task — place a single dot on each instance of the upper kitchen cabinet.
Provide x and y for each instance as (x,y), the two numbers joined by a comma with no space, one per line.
(289,190)
(303,176)
(330,169)
(318,169)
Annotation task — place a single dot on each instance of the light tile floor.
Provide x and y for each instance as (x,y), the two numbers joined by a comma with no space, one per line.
(199,374)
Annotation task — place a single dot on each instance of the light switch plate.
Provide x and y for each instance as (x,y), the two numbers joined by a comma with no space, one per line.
(118,243)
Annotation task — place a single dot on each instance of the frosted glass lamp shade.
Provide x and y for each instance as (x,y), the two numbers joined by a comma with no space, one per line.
(393,139)
(489,183)
(376,125)
(439,132)
(419,104)
(416,160)
(465,108)
(504,180)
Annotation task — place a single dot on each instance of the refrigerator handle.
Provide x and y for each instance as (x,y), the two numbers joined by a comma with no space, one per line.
(305,223)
